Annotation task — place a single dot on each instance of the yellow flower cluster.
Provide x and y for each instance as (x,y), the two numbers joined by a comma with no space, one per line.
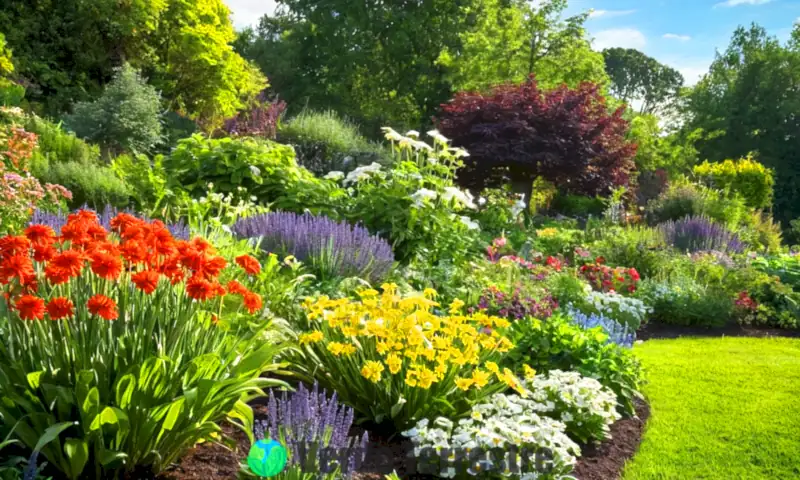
(386,334)
(547,232)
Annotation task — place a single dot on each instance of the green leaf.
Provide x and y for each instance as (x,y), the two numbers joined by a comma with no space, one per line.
(77,452)
(173,414)
(34,379)
(50,434)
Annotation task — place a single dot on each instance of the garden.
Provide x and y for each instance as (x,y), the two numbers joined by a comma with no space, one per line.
(204,276)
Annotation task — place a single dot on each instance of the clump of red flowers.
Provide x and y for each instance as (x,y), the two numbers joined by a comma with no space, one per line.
(604,278)
(135,256)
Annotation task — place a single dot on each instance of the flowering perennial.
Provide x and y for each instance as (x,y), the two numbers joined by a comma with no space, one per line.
(604,278)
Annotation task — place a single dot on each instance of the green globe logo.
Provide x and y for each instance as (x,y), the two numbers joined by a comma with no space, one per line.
(267,458)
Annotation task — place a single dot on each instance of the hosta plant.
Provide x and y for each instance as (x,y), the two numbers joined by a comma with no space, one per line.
(502,436)
(583,404)
(114,348)
(396,360)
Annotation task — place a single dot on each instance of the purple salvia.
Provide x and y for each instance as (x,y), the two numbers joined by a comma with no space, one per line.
(699,233)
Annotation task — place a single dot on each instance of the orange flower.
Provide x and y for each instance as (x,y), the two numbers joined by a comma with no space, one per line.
(253,302)
(55,275)
(134,252)
(201,289)
(84,218)
(60,307)
(69,261)
(96,232)
(43,253)
(106,266)
(122,221)
(146,280)
(30,307)
(211,267)
(103,306)
(249,264)
(13,245)
(40,235)
(236,288)
(19,266)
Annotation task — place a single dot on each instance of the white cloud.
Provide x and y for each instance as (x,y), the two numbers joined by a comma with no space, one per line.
(619,37)
(675,36)
(609,13)
(736,3)
(248,12)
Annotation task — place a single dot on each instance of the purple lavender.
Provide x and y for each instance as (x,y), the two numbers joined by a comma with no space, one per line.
(179,230)
(617,333)
(514,306)
(698,233)
(315,429)
(331,248)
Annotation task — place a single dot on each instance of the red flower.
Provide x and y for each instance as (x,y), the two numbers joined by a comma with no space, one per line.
(634,274)
(201,289)
(249,264)
(55,275)
(106,266)
(146,280)
(600,260)
(253,302)
(236,288)
(43,253)
(60,307)
(30,307)
(103,306)
(19,266)
(69,261)
(133,252)
(40,235)
(13,245)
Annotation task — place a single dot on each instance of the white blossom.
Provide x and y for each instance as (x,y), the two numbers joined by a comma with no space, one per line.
(362,173)
(334,175)
(469,223)
(391,135)
(255,171)
(459,196)
(438,137)
(420,196)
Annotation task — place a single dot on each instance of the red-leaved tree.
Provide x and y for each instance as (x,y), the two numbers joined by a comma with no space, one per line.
(519,132)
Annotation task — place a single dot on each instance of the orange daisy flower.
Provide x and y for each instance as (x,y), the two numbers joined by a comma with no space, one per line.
(236,288)
(60,307)
(201,289)
(40,235)
(249,264)
(30,307)
(253,302)
(146,281)
(103,307)
(13,245)
(17,266)
(70,261)
(106,266)
(43,253)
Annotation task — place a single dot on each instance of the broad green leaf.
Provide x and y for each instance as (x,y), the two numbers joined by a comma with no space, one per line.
(77,452)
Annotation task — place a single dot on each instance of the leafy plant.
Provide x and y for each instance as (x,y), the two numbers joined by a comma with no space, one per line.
(90,184)
(112,353)
(694,234)
(684,300)
(260,120)
(744,177)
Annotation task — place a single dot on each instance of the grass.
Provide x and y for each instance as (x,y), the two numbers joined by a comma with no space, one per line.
(722,408)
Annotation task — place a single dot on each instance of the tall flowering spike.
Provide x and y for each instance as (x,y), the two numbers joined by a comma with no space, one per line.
(617,333)
(335,247)
(699,233)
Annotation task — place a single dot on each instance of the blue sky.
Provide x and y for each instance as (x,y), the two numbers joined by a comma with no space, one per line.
(680,33)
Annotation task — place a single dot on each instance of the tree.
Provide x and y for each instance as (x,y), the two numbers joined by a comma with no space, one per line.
(748,102)
(10,92)
(517,133)
(635,76)
(125,118)
(511,39)
(66,50)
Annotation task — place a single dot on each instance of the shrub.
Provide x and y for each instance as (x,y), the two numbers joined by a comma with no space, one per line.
(395,361)
(685,199)
(507,425)
(315,429)
(683,300)
(125,118)
(109,350)
(586,407)
(514,306)
(772,303)
(638,247)
(744,177)
(260,120)
(89,183)
(332,249)
(557,241)
(762,232)
(57,145)
(263,169)
(577,205)
(605,279)
(694,234)
(326,142)
(146,178)
(557,344)
(519,132)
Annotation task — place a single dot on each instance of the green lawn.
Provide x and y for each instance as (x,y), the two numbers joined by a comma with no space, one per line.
(722,408)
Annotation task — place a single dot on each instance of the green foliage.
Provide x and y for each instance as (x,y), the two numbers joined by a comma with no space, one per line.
(777,304)
(10,93)
(557,344)
(577,205)
(683,199)
(635,76)
(325,142)
(58,145)
(762,233)
(246,167)
(683,300)
(744,177)
(90,184)
(146,179)
(639,247)
(125,118)
(675,152)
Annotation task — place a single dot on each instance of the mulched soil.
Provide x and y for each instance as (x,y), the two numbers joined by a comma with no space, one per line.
(601,462)
(660,330)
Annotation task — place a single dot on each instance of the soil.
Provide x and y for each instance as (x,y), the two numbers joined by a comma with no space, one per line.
(660,330)
(598,462)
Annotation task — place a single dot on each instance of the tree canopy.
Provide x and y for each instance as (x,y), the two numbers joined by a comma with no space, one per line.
(635,76)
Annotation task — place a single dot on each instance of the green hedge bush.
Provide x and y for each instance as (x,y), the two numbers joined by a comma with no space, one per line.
(744,177)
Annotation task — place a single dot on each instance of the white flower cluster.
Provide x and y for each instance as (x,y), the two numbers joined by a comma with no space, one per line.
(411,140)
(625,310)
(586,407)
(422,196)
(362,173)
(507,423)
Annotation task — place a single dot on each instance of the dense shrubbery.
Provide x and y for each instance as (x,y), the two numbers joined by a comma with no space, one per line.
(746,178)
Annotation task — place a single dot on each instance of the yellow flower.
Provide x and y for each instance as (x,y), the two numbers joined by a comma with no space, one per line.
(440,370)
(529,372)
(389,288)
(504,345)
(411,378)
(501,322)
(349,331)
(383,347)
(372,371)
(456,306)
(311,337)
(429,293)
(426,378)
(335,348)
(464,383)
(547,232)
(394,362)
(369,292)
(480,378)
(492,367)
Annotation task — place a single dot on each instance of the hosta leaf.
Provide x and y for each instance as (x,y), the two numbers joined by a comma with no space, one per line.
(77,452)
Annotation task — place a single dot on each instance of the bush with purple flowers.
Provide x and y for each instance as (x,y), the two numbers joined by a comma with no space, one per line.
(698,233)
(515,306)
(332,249)
(314,429)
